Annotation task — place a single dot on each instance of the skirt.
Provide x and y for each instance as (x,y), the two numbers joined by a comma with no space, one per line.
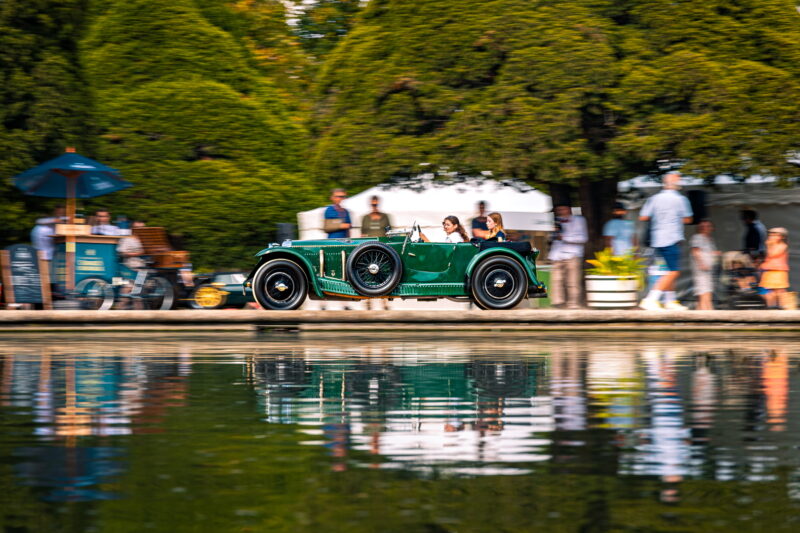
(774,279)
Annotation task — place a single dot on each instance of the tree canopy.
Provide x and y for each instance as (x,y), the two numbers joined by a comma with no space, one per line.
(190,97)
(570,92)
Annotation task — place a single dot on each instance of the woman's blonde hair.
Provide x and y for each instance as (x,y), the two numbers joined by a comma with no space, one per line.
(498,225)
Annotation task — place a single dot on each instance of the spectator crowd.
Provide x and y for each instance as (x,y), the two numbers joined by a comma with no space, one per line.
(757,275)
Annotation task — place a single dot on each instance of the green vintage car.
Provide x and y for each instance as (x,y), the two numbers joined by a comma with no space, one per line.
(494,275)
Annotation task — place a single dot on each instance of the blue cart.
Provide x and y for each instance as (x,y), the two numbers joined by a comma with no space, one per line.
(101,279)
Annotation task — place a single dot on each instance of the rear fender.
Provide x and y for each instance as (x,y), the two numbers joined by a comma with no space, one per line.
(528,265)
(268,254)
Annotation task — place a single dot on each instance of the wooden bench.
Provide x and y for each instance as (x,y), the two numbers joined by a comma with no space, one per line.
(156,244)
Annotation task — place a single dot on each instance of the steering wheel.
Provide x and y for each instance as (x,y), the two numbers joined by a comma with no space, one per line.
(415,232)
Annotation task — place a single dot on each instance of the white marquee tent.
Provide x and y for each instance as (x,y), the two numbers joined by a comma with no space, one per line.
(522,207)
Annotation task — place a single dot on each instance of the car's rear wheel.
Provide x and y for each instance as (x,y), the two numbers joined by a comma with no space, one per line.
(280,285)
(374,269)
(499,282)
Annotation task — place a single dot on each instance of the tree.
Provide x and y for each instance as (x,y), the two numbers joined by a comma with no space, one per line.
(574,94)
(207,140)
(43,103)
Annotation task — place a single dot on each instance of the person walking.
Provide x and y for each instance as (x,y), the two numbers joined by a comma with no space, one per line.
(668,211)
(619,234)
(43,232)
(566,254)
(337,221)
(754,240)
(479,228)
(704,254)
(775,268)
(375,223)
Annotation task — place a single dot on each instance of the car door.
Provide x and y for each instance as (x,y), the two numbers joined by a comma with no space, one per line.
(427,261)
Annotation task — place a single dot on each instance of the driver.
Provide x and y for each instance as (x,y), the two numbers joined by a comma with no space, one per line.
(454,231)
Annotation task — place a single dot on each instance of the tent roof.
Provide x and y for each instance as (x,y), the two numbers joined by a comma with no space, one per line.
(431,201)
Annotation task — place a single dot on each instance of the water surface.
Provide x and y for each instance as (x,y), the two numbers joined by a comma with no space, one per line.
(505,432)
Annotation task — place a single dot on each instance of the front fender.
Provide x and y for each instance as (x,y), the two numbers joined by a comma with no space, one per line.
(529,266)
(268,254)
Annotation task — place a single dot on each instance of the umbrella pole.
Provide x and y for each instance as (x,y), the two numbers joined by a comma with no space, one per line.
(70,240)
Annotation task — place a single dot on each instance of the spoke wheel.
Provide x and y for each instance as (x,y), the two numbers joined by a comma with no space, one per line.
(157,294)
(280,285)
(95,294)
(499,282)
(374,269)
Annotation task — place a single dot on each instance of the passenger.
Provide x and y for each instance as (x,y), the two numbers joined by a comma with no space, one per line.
(495,224)
(453,229)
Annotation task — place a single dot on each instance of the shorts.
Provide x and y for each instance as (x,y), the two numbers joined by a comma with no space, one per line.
(703,282)
(774,279)
(671,255)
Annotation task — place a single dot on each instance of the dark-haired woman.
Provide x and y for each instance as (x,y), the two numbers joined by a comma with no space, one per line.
(453,229)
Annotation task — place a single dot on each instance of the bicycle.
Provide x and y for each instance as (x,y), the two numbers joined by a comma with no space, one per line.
(148,291)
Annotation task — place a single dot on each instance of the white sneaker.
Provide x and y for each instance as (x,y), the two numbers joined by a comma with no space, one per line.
(675,305)
(650,305)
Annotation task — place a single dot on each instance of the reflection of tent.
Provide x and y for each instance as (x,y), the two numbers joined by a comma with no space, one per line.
(432,201)
(725,199)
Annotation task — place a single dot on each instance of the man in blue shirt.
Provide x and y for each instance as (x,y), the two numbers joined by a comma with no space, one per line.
(337,219)
(667,213)
(619,233)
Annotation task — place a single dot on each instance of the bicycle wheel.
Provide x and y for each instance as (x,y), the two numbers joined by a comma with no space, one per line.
(158,294)
(95,294)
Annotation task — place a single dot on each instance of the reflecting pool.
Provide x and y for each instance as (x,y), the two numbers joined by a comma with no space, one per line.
(504,432)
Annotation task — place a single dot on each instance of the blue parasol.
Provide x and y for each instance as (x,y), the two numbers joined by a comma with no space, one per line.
(52,179)
(70,176)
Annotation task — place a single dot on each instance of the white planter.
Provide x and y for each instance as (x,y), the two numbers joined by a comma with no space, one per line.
(612,292)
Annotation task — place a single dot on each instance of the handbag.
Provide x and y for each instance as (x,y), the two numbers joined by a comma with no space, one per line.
(332,224)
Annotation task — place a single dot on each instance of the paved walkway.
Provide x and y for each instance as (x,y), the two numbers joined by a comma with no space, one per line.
(527,319)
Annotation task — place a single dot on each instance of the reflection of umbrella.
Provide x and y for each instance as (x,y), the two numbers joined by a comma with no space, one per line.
(70,176)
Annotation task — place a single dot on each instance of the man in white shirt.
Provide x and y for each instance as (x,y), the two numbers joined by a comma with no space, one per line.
(667,213)
(103,225)
(42,233)
(566,254)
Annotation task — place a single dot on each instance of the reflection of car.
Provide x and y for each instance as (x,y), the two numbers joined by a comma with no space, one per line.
(218,290)
(493,275)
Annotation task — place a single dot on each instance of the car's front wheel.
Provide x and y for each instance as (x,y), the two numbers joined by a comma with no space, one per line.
(499,282)
(280,285)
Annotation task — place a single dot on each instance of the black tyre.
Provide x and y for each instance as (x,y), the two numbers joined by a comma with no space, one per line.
(280,285)
(95,294)
(158,294)
(499,282)
(374,269)
(207,296)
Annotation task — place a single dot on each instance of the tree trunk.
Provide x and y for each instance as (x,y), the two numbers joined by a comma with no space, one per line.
(597,202)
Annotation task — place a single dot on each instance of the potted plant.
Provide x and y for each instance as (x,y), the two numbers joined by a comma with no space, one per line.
(613,281)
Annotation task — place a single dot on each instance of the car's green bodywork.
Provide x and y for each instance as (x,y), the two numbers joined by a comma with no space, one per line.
(430,270)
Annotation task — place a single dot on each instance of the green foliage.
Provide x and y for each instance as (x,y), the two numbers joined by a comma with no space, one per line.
(209,143)
(561,91)
(324,23)
(605,263)
(43,104)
